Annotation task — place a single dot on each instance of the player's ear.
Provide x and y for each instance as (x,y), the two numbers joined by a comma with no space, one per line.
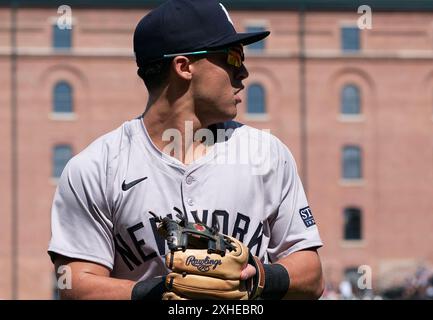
(182,67)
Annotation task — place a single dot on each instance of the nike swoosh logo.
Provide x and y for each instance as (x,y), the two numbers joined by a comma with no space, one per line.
(127,186)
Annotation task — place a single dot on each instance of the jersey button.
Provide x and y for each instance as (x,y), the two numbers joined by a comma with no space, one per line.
(190,202)
(189,180)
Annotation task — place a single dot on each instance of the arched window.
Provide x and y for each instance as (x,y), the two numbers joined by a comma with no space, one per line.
(256,99)
(350,100)
(62,97)
(352,162)
(61,155)
(352,224)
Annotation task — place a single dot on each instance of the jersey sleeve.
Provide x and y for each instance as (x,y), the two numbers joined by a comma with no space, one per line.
(294,227)
(81,223)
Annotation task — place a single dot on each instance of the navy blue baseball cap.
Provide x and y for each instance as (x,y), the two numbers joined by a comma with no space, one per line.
(187,25)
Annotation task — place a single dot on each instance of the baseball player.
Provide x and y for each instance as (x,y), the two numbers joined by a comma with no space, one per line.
(184,154)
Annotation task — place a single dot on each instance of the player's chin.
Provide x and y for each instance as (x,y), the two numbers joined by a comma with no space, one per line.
(231,112)
(227,113)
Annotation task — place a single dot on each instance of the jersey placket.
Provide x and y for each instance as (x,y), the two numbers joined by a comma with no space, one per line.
(189,183)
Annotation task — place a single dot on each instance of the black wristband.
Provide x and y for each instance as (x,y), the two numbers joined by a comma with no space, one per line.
(277,282)
(151,289)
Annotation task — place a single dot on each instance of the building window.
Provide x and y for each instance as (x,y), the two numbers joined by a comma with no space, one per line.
(62,38)
(256,46)
(352,224)
(351,162)
(61,155)
(256,99)
(350,100)
(62,98)
(350,40)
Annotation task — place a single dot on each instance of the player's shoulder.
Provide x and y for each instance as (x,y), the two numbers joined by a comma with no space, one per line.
(247,134)
(106,148)
(259,146)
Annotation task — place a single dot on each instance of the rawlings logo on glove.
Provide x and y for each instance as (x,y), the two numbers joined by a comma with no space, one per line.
(203,265)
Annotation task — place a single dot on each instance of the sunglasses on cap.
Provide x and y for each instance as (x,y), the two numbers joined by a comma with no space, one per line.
(235,56)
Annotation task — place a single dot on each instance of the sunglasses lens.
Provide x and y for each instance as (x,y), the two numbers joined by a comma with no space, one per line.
(234,58)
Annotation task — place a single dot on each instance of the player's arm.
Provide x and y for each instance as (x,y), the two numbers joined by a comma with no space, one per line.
(80,215)
(296,276)
(92,281)
(294,238)
(305,273)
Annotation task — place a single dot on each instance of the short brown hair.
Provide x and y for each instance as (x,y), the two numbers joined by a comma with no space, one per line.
(155,74)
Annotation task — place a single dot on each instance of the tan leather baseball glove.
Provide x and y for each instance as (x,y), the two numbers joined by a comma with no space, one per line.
(206,264)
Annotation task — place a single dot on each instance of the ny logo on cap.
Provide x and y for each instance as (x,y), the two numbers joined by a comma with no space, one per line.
(227,14)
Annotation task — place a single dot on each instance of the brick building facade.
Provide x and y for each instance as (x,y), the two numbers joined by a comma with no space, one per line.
(374,210)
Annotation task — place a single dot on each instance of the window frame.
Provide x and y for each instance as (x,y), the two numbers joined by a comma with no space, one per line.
(344,100)
(58,41)
(262,92)
(55,165)
(345,162)
(55,98)
(346,46)
(350,213)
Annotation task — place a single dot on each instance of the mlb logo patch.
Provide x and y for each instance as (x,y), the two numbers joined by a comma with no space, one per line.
(307,217)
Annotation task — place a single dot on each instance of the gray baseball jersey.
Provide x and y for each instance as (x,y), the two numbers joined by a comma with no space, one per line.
(247,184)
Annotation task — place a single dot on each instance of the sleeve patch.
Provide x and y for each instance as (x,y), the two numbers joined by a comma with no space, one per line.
(307,217)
